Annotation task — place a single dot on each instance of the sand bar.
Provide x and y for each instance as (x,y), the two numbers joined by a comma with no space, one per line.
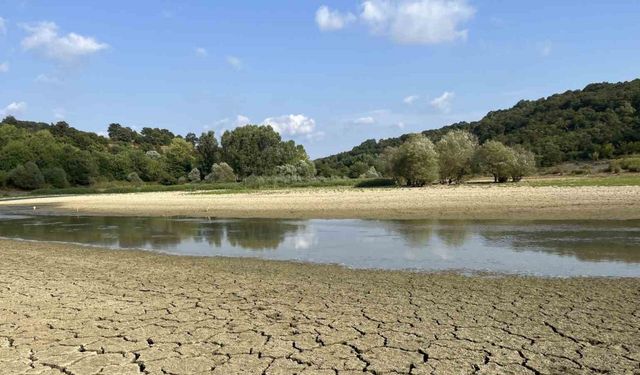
(462,202)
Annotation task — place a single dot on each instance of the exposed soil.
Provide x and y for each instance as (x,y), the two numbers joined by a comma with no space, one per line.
(71,310)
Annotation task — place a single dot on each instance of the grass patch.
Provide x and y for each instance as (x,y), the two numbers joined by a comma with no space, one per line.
(628,180)
(215,188)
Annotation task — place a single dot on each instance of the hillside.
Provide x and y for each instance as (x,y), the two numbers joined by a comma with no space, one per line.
(600,121)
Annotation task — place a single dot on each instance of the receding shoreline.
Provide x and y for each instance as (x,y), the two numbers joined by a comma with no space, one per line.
(438,202)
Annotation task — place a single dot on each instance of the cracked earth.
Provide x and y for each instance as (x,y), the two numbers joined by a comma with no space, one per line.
(72,310)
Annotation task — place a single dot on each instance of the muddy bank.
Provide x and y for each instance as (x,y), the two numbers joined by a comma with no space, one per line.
(86,311)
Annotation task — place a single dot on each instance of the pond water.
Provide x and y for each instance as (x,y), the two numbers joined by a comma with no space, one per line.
(543,248)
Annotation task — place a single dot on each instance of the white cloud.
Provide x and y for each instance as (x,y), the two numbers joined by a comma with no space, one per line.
(400,125)
(545,48)
(410,99)
(59,113)
(367,120)
(418,21)
(292,124)
(202,52)
(330,20)
(235,62)
(14,109)
(44,38)
(4,67)
(406,21)
(3,26)
(242,120)
(43,78)
(443,102)
(228,123)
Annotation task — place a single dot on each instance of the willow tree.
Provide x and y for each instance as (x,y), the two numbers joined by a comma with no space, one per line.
(455,152)
(415,162)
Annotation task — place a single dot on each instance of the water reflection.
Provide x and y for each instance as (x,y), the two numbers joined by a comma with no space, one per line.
(564,248)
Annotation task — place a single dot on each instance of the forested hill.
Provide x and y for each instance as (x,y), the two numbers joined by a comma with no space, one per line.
(600,121)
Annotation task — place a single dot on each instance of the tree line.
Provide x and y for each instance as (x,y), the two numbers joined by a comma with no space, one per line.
(455,157)
(34,155)
(601,121)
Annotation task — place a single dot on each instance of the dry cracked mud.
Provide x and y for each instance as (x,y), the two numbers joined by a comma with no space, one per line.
(72,310)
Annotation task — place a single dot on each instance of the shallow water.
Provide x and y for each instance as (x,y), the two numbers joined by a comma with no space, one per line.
(543,248)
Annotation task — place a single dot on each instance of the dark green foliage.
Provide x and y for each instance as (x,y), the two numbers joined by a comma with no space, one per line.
(376,182)
(56,177)
(602,119)
(258,150)
(27,176)
(208,150)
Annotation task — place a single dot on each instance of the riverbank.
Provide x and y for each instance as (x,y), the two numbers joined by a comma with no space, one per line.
(436,202)
(83,311)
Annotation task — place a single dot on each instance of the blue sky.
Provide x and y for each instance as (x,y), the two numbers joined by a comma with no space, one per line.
(328,74)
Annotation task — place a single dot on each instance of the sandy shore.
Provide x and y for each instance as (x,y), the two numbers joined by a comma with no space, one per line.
(463,202)
(73,310)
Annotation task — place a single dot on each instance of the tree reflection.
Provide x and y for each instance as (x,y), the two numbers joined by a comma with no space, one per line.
(152,232)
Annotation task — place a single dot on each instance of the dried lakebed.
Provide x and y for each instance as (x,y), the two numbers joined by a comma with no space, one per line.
(67,309)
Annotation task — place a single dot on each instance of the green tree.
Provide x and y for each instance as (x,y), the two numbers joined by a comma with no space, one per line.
(258,150)
(495,159)
(55,177)
(179,157)
(27,176)
(79,165)
(455,152)
(415,163)
(522,163)
(208,150)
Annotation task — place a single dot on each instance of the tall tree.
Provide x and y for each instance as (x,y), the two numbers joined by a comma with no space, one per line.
(208,151)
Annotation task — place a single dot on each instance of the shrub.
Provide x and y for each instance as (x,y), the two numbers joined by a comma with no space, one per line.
(27,176)
(371,173)
(194,175)
(376,182)
(182,180)
(634,165)
(4,176)
(55,177)
(221,173)
(614,166)
(134,178)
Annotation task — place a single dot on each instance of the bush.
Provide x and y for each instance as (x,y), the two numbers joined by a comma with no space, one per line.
(55,177)
(376,182)
(221,173)
(614,166)
(634,166)
(27,176)
(4,177)
(134,178)
(371,173)
(631,164)
(194,175)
